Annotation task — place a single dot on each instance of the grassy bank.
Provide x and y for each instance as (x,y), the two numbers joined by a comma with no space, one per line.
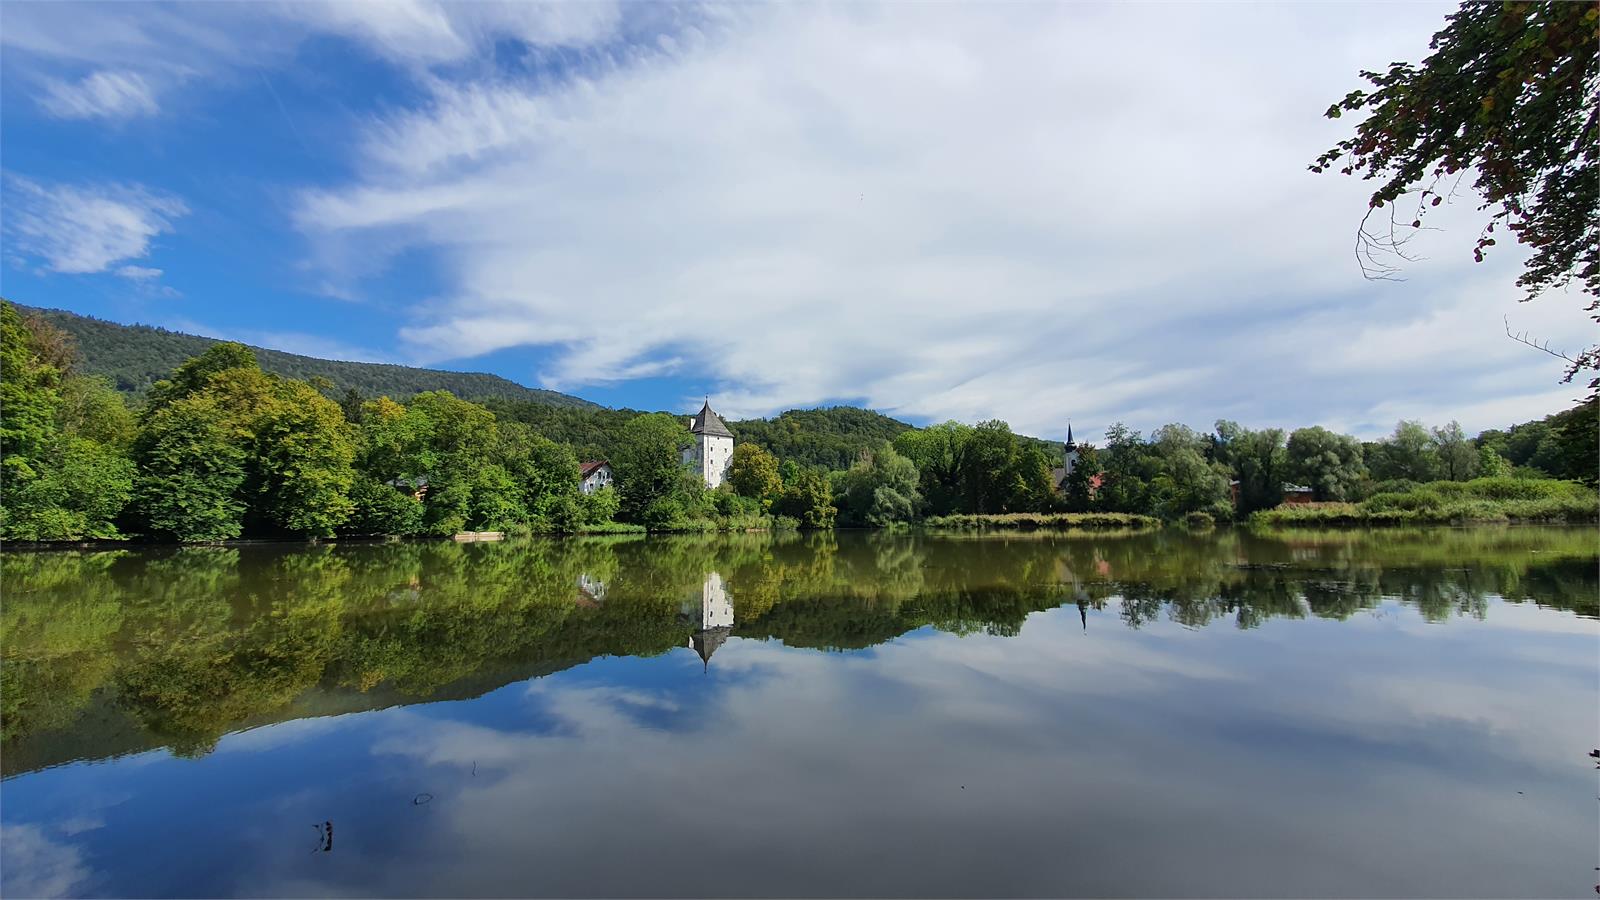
(1034,521)
(1452,503)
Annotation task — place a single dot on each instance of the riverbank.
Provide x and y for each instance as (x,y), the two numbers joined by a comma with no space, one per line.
(1035,521)
(1481,501)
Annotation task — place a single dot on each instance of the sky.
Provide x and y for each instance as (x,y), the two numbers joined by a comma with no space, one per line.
(1038,212)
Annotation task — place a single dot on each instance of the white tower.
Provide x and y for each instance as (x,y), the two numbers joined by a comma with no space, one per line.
(712,451)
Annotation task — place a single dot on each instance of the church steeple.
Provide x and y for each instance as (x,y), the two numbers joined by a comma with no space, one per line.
(1070,443)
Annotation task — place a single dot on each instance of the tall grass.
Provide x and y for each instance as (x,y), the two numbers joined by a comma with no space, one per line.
(1452,502)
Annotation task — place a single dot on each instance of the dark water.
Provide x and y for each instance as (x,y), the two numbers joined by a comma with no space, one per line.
(1386,713)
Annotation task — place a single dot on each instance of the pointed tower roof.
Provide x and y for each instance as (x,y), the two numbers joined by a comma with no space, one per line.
(708,422)
(706,642)
(1070,443)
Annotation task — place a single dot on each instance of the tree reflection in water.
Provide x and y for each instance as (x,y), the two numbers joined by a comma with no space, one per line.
(110,652)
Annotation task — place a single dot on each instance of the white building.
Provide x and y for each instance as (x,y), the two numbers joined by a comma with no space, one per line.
(712,451)
(593,476)
(710,612)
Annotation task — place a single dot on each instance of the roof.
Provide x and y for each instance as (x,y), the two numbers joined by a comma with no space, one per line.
(706,642)
(585,469)
(708,422)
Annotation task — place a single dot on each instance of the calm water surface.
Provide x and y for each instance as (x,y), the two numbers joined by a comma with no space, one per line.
(1349,714)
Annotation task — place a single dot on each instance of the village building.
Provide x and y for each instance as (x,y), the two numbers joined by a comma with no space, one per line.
(712,451)
(594,475)
(1070,458)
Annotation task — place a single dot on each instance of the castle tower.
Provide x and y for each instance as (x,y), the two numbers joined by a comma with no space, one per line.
(712,451)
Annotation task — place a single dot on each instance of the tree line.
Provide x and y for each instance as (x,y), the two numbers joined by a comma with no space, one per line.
(221,449)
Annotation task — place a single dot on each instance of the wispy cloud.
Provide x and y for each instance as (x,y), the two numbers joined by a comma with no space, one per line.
(87,228)
(944,211)
(109,95)
(139,273)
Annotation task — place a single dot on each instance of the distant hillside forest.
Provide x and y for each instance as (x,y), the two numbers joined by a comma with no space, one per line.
(223,448)
(133,357)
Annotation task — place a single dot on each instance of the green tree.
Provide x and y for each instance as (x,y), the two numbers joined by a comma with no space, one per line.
(1124,488)
(1458,461)
(191,471)
(1408,454)
(196,374)
(545,472)
(302,462)
(879,490)
(1184,480)
(1260,461)
(649,470)
(598,507)
(1508,97)
(62,439)
(809,499)
(753,472)
(939,453)
(1576,440)
(29,393)
(1329,463)
(457,444)
(378,508)
(1492,464)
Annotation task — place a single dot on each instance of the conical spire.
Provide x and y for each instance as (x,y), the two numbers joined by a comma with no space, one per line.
(708,422)
(1070,443)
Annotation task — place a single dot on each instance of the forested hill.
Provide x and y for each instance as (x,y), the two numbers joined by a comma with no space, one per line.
(830,438)
(134,357)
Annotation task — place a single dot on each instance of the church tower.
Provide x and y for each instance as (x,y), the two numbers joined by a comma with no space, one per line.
(712,451)
(1071,448)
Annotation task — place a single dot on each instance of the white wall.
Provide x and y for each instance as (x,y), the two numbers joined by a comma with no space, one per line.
(715,458)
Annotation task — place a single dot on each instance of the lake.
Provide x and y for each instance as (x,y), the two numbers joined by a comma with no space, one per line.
(1385,713)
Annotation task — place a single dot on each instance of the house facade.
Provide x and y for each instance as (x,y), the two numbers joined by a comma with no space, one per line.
(594,475)
(712,451)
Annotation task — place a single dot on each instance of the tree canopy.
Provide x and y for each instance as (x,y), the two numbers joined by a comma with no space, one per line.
(1508,96)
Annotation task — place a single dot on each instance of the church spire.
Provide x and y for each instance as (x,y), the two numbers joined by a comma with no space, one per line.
(1070,443)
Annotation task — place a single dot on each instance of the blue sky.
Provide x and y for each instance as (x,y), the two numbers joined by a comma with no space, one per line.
(1028,211)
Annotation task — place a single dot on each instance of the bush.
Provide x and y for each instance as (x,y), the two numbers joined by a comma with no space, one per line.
(1200,520)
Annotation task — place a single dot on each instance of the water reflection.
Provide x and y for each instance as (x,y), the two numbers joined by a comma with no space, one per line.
(115,651)
(1188,727)
(710,614)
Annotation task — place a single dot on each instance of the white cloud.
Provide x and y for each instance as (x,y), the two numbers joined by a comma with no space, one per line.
(139,273)
(1031,212)
(948,211)
(110,95)
(33,864)
(87,228)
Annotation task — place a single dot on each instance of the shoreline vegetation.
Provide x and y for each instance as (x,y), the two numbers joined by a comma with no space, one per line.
(1478,502)
(223,450)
